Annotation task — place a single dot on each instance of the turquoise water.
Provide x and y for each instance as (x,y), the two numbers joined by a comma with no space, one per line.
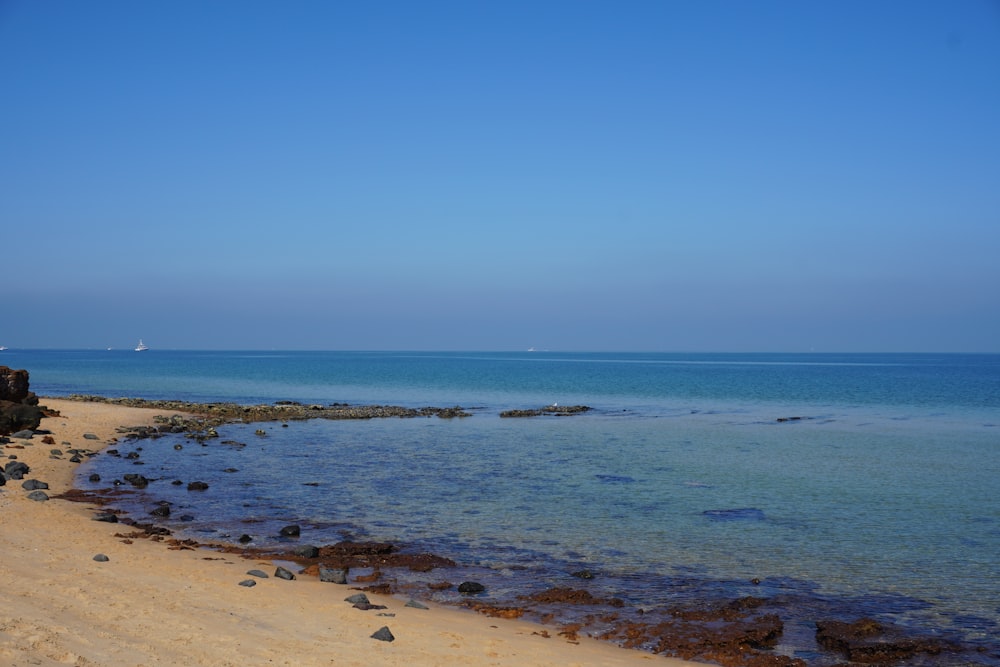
(881,499)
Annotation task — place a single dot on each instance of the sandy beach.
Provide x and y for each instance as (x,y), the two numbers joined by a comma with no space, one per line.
(150,604)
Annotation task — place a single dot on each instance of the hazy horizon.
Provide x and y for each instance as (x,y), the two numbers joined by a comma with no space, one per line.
(446,176)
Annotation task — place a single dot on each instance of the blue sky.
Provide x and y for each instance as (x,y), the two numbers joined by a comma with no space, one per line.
(565,175)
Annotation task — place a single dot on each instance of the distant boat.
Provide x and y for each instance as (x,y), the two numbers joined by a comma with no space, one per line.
(2,348)
(141,347)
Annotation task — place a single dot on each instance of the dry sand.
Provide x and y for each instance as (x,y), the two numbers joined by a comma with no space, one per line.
(151,605)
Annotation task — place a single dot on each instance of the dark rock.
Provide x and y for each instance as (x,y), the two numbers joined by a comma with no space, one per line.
(869,642)
(583,574)
(38,495)
(554,409)
(245,538)
(106,517)
(560,595)
(197,486)
(16,470)
(101,558)
(257,573)
(19,410)
(357,598)
(290,531)
(416,605)
(333,575)
(138,481)
(282,573)
(32,484)
(365,606)
(14,386)
(26,434)
(615,479)
(249,583)
(187,517)
(383,635)
(163,511)
(90,436)
(307,551)
(471,587)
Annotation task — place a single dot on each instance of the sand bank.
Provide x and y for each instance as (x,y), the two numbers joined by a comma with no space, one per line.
(151,605)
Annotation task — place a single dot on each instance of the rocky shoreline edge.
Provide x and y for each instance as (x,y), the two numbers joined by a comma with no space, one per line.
(739,632)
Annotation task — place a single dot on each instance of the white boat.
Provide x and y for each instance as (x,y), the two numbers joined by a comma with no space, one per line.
(2,348)
(141,347)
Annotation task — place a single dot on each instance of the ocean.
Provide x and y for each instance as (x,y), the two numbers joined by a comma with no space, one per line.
(847,485)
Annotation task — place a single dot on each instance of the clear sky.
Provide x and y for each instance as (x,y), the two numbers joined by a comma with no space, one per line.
(561,174)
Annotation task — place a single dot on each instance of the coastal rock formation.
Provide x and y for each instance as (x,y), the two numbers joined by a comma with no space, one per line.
(869,642)
(205,416)
(554,410)
(19,408)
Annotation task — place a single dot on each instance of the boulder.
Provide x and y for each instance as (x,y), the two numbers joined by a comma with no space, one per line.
(18,406)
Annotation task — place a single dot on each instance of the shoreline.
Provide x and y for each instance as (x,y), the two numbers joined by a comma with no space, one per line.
(750,624)
(150,604)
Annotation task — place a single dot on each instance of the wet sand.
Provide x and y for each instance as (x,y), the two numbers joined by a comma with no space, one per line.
(152,603)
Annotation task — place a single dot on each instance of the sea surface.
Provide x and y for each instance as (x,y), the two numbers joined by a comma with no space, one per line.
(853,484)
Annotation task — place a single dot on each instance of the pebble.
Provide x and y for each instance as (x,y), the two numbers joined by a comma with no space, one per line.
(249,583)
(101,558)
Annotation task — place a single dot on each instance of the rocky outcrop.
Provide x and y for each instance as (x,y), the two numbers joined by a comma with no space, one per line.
(18,406)
(869,642)
(555,410)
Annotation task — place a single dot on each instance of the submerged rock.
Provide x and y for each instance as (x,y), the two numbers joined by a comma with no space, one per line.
(740,514)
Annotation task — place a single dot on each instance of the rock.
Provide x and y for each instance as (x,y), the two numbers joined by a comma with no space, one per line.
(40,496)
(333,575)
(26,434)
(16,470)
(101,558)
(416,605)
(19,411)
(163,511)
(32,484)
(257,573)
(106,517)
(197,486)
(14,386)
(870,642)
(307,551)
(138,481)
(383,634)
(357,598)
(90,436)
(289,531)
(249,583)
(282,573)
(244,538)
(471,587)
